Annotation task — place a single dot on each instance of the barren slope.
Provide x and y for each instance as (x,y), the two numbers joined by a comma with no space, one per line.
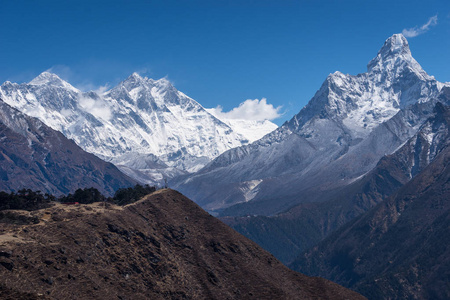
(163,246)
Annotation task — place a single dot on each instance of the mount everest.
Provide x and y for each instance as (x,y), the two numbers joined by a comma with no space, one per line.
(146,127)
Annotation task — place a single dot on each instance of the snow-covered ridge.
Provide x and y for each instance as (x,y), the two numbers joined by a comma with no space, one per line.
(140,119)
(394,80)
(343,131)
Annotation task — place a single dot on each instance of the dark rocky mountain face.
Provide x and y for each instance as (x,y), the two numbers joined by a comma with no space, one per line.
(161,247)
(400,248)
(34,156)
(287,234)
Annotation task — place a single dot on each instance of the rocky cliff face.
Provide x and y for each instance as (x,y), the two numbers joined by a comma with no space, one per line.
(399,249)
(350,123)
(34,156)
(289,233)
(161,247)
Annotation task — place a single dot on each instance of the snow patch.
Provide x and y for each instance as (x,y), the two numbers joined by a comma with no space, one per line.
(249,189)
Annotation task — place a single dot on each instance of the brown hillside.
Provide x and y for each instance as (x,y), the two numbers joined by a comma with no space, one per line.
(163,246)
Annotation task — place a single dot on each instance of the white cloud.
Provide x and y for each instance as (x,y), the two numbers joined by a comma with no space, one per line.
(88,87)
(101,89)
(256,110)
(97,108)
(415,31)
(68,74)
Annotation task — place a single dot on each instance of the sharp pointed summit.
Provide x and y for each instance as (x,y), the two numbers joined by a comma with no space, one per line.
(51,79)
(136,75)
(394,57)
(336,135)
(44,77)
(132,81)
(135,80)
(396,44)
(164,82)
(48,78)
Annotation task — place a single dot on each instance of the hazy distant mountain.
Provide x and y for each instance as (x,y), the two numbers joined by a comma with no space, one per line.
(34,156)
(400,248)
(145,126)
(161,247)
(350,123)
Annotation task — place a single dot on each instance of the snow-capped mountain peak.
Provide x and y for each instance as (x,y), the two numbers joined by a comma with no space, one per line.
(136,75)
(149,94)
(47,78)
(136,80)
(140,119)
(132,81)
(338,136)
(397,43)
(394,58)
(394,48)
(394,80)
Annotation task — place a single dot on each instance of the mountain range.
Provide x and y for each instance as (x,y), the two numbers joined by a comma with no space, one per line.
(135,125)
(339,136)
(384,234)
(353,188)
(289,233)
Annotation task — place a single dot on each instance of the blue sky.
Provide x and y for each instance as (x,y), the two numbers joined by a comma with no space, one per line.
(217,52)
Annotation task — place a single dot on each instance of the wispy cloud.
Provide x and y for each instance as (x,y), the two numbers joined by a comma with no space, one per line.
(418,30)
(64,72)
(86,86)
(257,110)
(97,107)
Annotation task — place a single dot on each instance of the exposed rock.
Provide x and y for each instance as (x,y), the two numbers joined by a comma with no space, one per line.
(400,248)
(34,156)
(288,234)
